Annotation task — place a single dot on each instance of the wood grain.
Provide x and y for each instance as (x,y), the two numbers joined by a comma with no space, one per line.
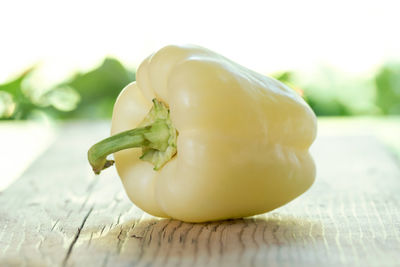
(59,214)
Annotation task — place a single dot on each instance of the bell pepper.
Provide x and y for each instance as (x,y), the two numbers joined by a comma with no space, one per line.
(200,138)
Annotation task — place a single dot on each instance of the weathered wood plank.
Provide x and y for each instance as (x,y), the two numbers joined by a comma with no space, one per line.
(21,143)
(58,213)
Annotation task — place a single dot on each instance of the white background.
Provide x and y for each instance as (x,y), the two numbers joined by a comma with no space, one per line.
(66,36)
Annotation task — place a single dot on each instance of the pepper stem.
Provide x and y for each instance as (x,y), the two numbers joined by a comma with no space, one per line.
(156,136)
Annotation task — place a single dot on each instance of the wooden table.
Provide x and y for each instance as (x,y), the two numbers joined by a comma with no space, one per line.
(59,213)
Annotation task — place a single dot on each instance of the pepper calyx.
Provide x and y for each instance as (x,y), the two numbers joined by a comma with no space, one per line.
(156,135)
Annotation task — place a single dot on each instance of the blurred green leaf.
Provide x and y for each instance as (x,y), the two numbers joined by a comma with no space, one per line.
(14,87)
(387,83)
(331,92)
(7,105)
(284,76)
(327,106)
(322,104)
(98,89)
(63,98)
(16,97)
(328,91)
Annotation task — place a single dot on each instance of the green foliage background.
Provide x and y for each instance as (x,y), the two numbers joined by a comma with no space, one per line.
(92,94)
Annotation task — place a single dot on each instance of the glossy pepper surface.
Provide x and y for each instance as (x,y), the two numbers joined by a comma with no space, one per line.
(214,140)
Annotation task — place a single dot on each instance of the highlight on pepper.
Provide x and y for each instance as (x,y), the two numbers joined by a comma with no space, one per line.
(200,138)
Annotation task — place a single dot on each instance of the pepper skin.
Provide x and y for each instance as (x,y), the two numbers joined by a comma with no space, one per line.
(242,138)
